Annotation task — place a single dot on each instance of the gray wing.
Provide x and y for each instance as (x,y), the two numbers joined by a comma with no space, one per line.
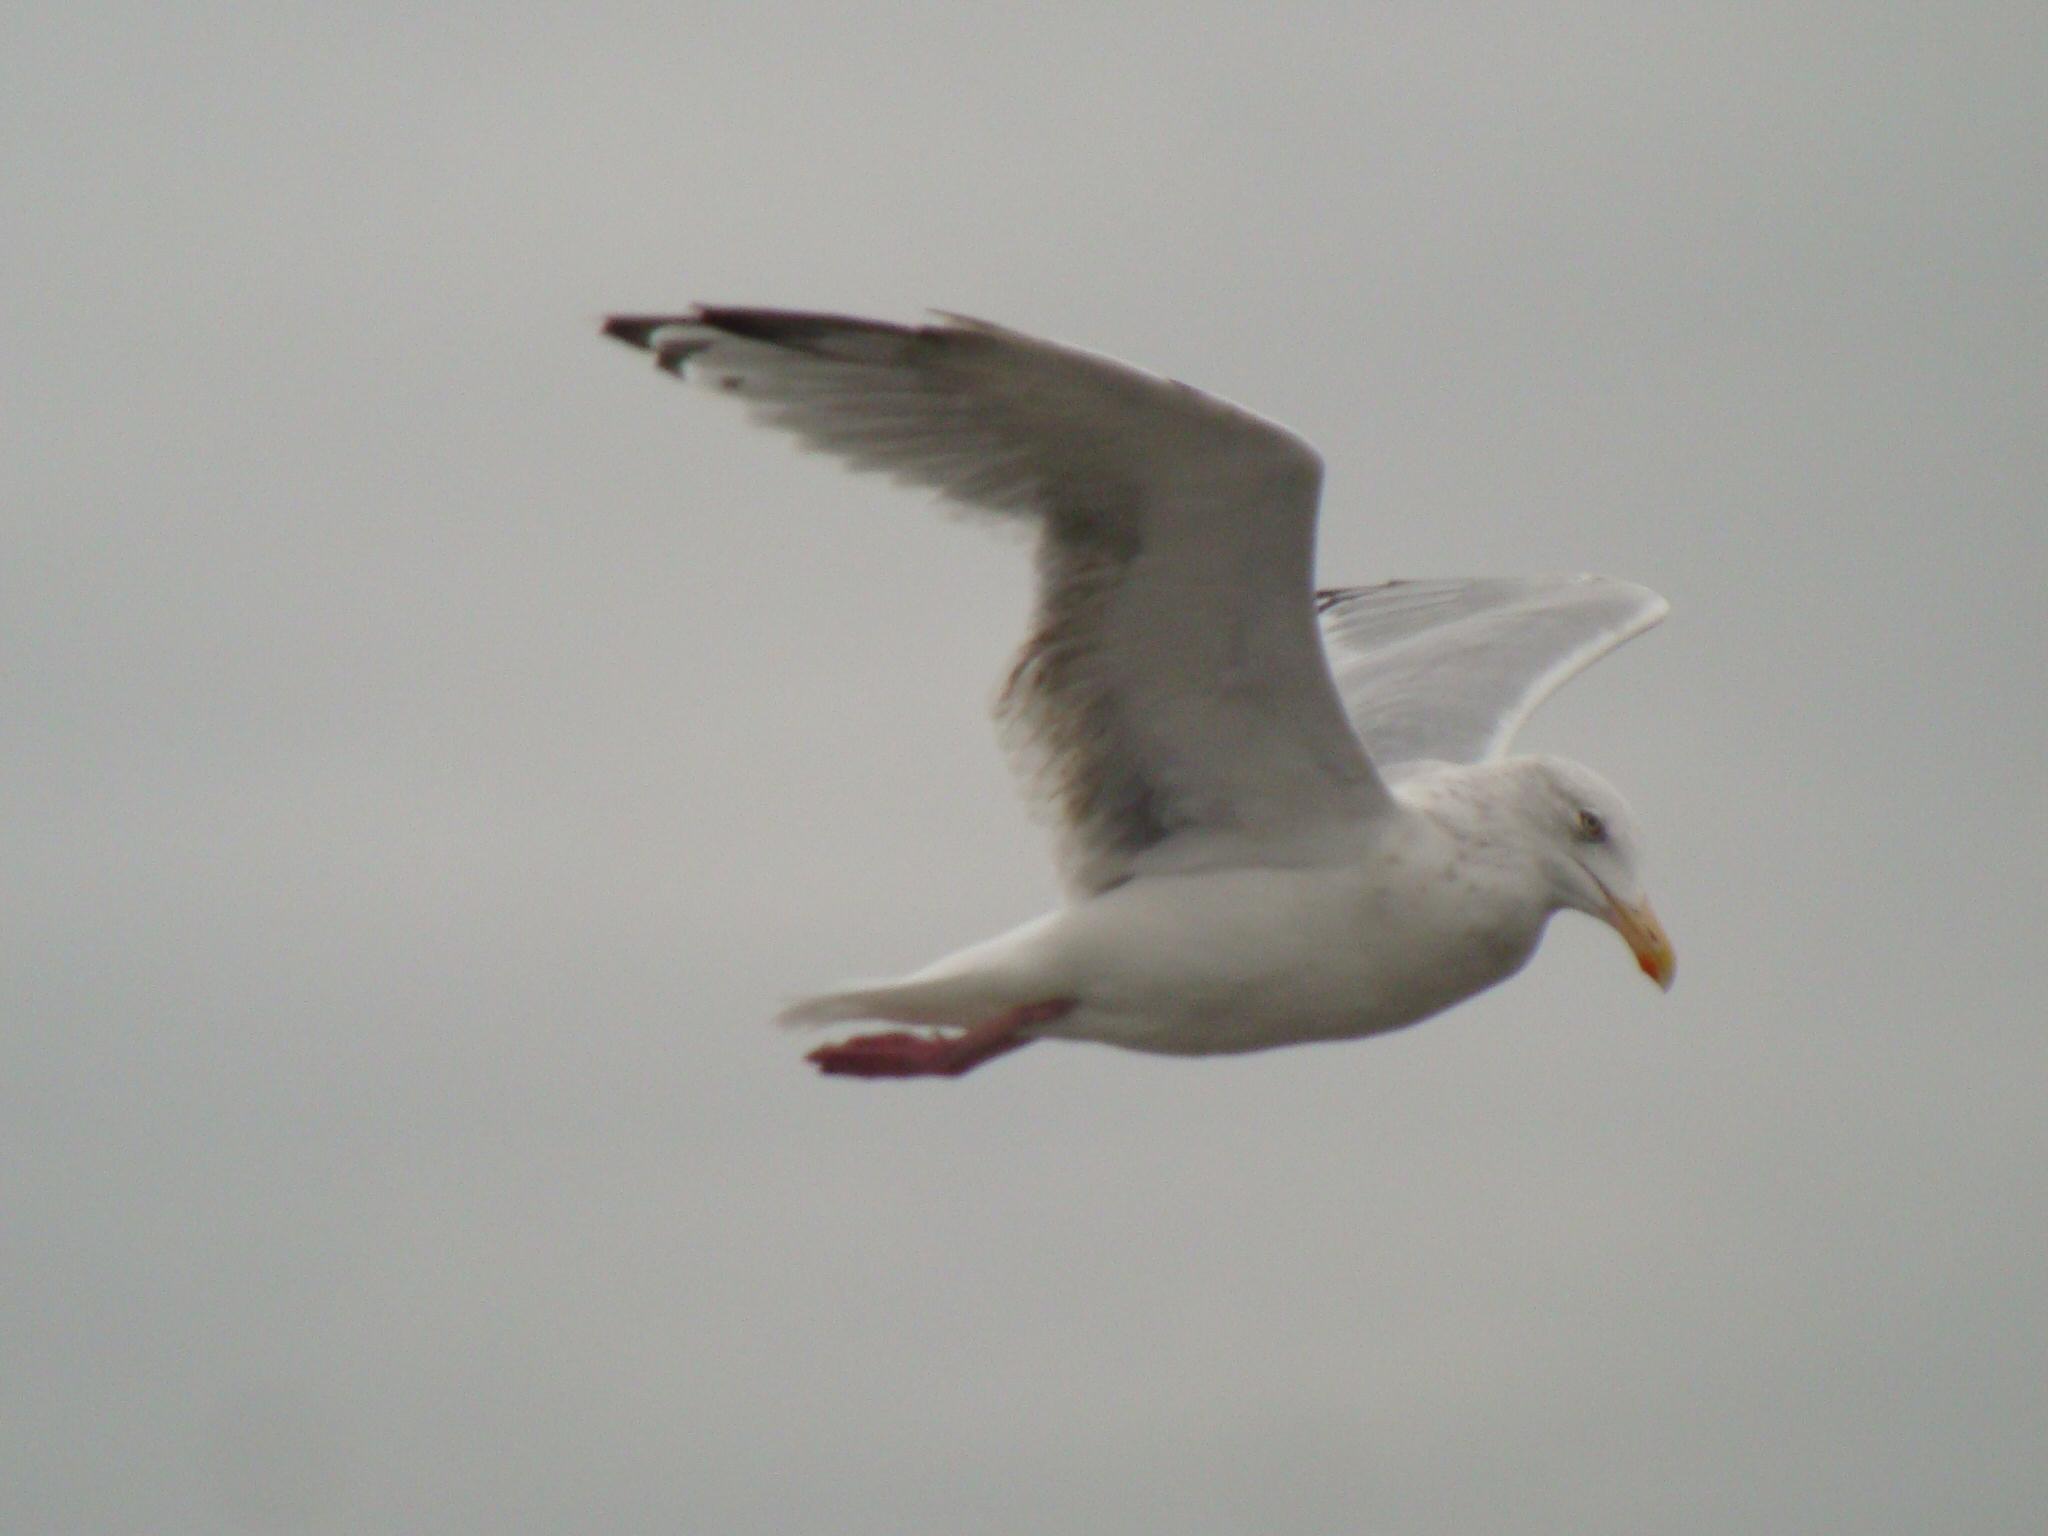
(1174,682)
(1447,671)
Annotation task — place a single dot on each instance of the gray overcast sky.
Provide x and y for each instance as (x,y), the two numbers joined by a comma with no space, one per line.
(436,744)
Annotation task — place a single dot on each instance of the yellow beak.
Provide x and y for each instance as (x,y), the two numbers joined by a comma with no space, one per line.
(1645,935)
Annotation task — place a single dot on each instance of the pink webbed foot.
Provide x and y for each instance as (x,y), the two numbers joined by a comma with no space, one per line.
(900,1053)
(897,1054)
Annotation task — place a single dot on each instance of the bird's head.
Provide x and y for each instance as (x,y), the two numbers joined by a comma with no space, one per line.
(1590,851)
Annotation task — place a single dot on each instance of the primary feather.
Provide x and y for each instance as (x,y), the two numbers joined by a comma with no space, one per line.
(1174,684)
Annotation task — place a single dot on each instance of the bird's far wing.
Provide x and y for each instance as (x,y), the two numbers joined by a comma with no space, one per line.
(1447,671)
(1174,681)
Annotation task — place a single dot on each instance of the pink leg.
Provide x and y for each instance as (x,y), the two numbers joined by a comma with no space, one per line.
(903,1054)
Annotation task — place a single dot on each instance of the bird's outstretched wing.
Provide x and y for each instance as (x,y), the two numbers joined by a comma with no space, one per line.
(1174,685)
(1447,671)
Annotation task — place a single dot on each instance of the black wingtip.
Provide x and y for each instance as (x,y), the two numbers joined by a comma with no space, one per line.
(824,335)
(801,329)
(634,330)
(639,331)
(1330,597)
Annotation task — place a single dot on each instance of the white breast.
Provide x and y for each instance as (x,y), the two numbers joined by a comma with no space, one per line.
(1244,959)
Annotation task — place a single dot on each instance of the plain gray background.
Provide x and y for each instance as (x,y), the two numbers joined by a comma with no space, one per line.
(435,744)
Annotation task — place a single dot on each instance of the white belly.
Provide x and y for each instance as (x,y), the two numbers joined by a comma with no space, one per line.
(1245,959)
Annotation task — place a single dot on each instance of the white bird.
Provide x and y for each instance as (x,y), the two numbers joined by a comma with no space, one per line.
(1284,815)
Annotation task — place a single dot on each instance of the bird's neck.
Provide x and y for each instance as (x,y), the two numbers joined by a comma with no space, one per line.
(1480,810)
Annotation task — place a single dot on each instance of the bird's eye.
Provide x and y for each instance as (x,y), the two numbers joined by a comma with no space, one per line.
(1591,827)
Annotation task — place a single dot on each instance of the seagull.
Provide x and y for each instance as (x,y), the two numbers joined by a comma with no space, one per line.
(1283,815)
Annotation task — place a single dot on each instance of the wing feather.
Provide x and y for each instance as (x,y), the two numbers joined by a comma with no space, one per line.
(1174,683)
(1447,671)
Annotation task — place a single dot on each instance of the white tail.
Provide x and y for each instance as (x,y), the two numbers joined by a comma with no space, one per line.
(943,995)
(968,987)
(957,1000)
(841,1006)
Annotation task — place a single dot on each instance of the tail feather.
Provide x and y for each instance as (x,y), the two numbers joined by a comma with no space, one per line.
(966,988)
(956,1001)
(843,1005)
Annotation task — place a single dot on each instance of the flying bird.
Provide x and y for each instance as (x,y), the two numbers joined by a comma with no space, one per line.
(1283,815)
